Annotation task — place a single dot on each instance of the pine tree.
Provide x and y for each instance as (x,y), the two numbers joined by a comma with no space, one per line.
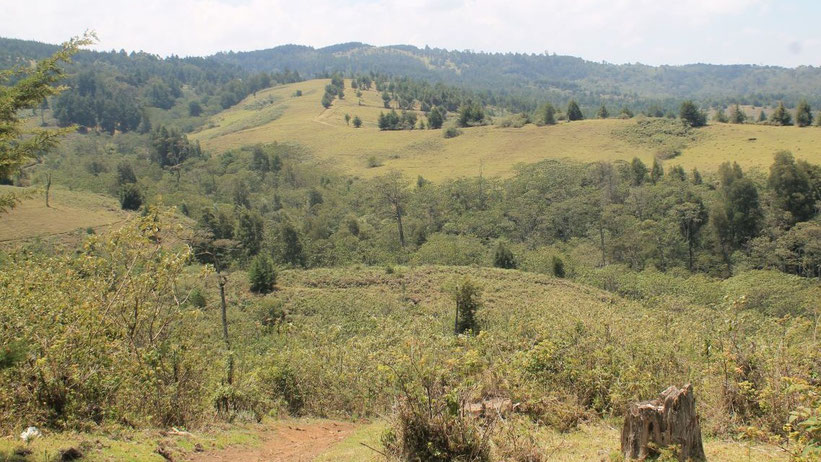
(762,116)
(549,114)
(803,114)
(781,116)
(467,301)
(657,172)
(720,116)
(261,275)
(692,115)
(503,257)
(737,116)
(603,114)
(357,122)
(573,111)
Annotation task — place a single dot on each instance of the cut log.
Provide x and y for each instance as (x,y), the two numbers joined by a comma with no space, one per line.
(669,420)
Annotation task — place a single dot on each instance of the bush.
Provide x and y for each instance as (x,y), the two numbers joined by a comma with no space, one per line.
(197,298)
(373,162)
(503,257)
(467,301)
(131,198)
(261,275)
(558,267)
(451,132)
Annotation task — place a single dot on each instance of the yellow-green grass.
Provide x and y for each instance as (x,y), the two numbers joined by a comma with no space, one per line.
(491,150)
(68,211)
(134,446)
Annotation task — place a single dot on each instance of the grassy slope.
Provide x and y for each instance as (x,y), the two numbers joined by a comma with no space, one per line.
(491,150)
(69,211)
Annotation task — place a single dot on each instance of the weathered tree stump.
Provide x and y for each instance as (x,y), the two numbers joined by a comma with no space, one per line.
(670,419)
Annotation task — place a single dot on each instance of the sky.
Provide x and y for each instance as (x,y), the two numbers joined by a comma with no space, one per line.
(769,32)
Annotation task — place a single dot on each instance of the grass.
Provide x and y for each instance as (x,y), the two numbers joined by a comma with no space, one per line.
(69,211)
(276,115)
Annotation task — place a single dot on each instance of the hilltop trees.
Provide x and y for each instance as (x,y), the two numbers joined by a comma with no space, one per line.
(692,115)
(803,114)
(573,111)
(394,121)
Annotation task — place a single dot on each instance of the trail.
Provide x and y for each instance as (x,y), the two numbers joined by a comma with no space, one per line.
(286,442)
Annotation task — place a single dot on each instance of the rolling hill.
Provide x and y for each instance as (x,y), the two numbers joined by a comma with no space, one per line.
(276,114)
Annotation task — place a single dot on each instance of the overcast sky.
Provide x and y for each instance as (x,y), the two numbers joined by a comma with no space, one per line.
(778,32)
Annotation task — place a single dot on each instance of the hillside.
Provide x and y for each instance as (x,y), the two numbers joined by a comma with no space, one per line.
(70,211)
(277,115)
(544,76)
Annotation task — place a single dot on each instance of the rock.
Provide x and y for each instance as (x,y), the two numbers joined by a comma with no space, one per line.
(669,420)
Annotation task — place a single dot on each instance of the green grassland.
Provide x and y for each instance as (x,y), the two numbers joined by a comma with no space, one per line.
(490,150)
(68,212)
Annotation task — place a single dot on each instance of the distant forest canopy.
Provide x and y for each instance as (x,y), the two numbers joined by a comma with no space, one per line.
(512,81)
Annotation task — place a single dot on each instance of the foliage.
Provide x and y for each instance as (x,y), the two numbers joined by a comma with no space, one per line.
(131,197)
(503,257)
(261,275)
(803,114)
(692,115)
(573,111)
(781,116)
(466,295)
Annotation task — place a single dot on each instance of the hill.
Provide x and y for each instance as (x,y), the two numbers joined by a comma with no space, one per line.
(542,76)
(276,114)
(70,211)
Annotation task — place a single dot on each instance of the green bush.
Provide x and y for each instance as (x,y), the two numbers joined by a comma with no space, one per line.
(131,198)
(451,132)
(503,257)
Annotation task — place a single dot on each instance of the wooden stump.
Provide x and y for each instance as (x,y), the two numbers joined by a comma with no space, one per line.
(670,419)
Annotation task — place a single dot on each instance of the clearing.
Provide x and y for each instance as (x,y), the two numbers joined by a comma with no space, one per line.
(276,114)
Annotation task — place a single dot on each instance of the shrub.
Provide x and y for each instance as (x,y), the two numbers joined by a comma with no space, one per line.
(373,162)
(261,275)
(558,267)
(503,257)
(197,298)
(451,132)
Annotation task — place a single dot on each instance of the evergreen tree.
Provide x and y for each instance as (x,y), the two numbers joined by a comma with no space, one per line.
(131,198)
(762,116)
(638,171)
(657,172)
(467,301)
(549,114)
(435,118)
(194,109)
(503,257)
(737,116)
(781,116)
(720,116)
(357,122)
(690,216)
(603,114)
(261,275)
(249,232)
(291,247)
(327,100)
(125,174)
(803,114)
(692,115)
(573,111)
(697,180)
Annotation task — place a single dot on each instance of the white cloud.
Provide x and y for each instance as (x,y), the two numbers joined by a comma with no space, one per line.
(651,31)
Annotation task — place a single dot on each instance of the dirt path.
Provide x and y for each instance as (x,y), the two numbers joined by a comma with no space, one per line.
(286,442)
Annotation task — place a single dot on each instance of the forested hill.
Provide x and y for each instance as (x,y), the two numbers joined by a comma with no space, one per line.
(548,76)
(516,81)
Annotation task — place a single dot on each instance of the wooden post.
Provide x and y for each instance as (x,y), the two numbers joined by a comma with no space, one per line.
(48,187)
(669,420)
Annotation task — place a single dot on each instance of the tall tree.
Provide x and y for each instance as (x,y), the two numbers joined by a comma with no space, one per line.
(393,190)
(781,116)
(19,145)
(737,116)
(549,114)
(803,114)
(603,114)
(791,186)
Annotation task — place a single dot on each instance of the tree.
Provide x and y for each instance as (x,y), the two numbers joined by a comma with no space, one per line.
(471,113)
(194,109)
(467,301)
(435,118)
(720,116)
(131,198)
(291,247)
(603,114)
(249,232)
(762,116)
(347,119)
(503,257)
(781,116)
(697,180)
(657,172)
(791,187)
(262,277)
(737,116)
(125,174)
(259,160)
(393,191)
(549,114)
(357,122)
(803,114)
(327,100)
(638,171)
(573,111)
(690,216)
(691,114)
(33,84)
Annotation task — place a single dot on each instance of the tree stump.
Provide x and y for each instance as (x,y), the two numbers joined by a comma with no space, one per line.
(670,419)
